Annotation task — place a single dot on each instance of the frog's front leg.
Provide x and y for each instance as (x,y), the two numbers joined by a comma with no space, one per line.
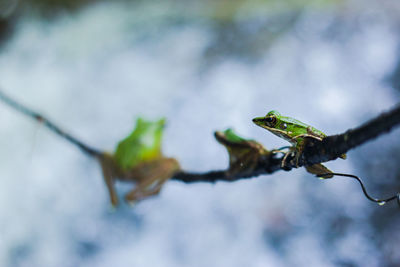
(292,149)
(297,150)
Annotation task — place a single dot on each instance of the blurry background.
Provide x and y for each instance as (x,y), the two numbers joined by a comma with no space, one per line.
(94,66)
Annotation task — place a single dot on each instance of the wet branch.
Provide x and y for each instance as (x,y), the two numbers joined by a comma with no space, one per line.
(315,151)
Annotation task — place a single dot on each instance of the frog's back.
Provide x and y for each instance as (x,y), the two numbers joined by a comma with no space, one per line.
(299,127)
(302,128)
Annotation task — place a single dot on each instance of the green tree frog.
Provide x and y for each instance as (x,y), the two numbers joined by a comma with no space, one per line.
(295,132)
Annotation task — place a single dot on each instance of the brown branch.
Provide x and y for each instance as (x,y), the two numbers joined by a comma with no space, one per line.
(266,165)
(333,146)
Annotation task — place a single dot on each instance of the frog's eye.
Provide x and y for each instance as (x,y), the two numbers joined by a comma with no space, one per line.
(271,120)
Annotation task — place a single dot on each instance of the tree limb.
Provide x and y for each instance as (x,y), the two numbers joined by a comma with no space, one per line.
(333,146)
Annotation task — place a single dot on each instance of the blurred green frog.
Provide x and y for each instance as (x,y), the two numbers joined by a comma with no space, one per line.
(138,158)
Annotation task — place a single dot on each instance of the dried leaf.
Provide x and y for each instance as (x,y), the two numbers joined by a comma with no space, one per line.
(243,153)
(318,169)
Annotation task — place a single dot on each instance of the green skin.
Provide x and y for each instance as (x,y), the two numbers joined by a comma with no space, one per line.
(288,128)
(291,130)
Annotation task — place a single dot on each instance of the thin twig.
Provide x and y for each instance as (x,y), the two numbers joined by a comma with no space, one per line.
(50,125)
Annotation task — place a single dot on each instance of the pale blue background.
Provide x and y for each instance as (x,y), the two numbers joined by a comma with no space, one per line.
(95,71)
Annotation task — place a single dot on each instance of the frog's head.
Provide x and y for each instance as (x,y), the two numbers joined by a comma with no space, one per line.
(270,120)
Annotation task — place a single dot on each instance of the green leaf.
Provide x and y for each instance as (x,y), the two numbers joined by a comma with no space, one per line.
(143,144)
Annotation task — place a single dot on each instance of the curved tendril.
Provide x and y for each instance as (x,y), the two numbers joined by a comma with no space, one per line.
(398,198)
(377,200)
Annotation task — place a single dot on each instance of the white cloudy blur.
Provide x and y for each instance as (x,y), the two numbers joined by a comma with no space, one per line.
(95,71)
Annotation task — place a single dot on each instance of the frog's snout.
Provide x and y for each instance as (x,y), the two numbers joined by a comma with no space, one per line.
(258,120)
